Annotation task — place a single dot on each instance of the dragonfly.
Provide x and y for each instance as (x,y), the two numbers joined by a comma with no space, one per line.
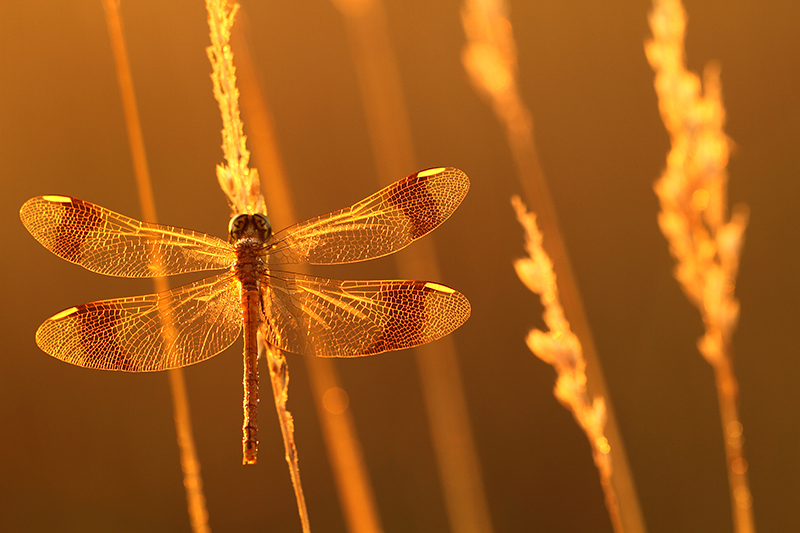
(293,312)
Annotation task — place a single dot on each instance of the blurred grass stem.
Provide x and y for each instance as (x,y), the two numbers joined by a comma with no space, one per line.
(445,400)
(561,348)
(190,464)
(705,242)
(490,58)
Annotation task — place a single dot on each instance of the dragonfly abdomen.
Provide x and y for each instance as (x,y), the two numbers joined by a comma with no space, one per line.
(249,267)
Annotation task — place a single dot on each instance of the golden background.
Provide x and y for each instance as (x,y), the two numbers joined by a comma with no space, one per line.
(85,450)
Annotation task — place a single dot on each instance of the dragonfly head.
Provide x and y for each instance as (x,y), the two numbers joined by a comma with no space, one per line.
(243,226)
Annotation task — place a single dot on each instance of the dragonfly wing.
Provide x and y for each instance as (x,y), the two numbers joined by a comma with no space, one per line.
(109,243)
(332,318)
(172,329)
(387,221)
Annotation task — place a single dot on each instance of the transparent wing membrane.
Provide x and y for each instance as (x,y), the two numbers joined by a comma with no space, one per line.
(332,318)
(109,243)
(383,223)
(301,314)
(200,320)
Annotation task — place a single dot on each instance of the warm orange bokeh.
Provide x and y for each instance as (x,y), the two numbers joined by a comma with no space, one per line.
(91,450)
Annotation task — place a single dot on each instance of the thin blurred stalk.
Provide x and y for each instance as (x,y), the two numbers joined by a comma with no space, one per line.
(242,187)
(490,58)
(704,241)
(190,464)
(561,348)
(390,134)
(279,378)
(338,426)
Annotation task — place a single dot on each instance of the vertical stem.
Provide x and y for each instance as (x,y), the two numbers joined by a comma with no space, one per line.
(562,349)
(445,402)
(705,245)
(131,111)
(279,377)
(490,59)
(741,499)
(451,433)
(344,449)
(190,464)
(619,488)
(611,501)
(242,187)
(342,443)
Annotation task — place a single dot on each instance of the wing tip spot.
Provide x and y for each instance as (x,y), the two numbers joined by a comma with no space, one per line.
(430,172)
(439,288)
(63,314)
(58,199)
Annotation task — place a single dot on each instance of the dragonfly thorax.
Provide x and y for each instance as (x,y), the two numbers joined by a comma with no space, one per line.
(244,226)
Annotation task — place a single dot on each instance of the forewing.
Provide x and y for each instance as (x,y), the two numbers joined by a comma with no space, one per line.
(387,221)
(113,244)
(332,318)
(199,320)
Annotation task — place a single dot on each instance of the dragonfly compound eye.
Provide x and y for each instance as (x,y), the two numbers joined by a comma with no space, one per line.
(263,224)
(242,226)
(237,225)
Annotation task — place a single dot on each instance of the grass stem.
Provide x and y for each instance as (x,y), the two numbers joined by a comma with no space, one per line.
(190,464)
(705,242)
(242,187)
(561,348)
(440,376)
(338,426)
(490,58)
(279,377)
